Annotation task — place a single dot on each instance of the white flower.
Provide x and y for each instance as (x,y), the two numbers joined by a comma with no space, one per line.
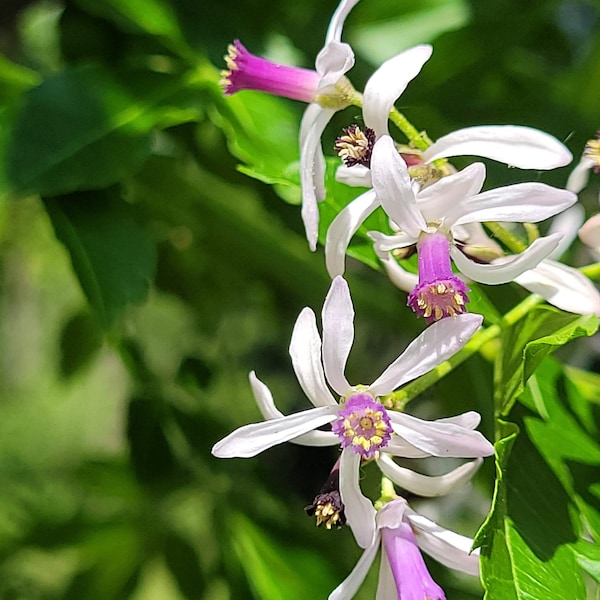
(590,160)
(589,234)
(326,90)
(433,218)
(361,425)
(560,285)
(514,145)
(403,575)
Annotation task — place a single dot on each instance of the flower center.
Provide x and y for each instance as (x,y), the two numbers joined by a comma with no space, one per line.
(363,426)
(439,293)
(355,146)
(592,150)
(327,507)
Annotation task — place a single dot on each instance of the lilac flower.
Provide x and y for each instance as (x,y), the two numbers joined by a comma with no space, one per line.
(433,219)
(361,424)
(326,89)
(399,532)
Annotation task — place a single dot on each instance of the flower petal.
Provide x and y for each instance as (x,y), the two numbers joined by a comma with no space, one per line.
(517,146)
(589,233)
(348,588)
(338,334)
(333,62)
(567,223)
(358,509)
(393,186)
(388,82)
(401,448)
(343,227)
(440,439)
(385,243)
(336,24)
(402,279)
(386,586)
(435,345)
(264,398)
(469,419)
(250,440)
(439,201)
(312,163)
(496,274)
(266,405)
(426,485)
(356,176)
(519,203)
(447,547)
(562,286)
(305,350)
(579,176)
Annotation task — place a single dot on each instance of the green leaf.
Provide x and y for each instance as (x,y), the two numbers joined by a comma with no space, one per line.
(561,438)
(588,556)
(151,455)
(184,564)
(86,128)
(154,17)
(423,22)
(274,571)
(526,539)
(15,79)
(113,257)
(528,342)
(262,131)
(79,343)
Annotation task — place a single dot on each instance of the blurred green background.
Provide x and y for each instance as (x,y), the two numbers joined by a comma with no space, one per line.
(142,276)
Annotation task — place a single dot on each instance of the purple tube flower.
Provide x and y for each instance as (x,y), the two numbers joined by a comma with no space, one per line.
(326,90)
(247,71)
(401,533)
(439,292)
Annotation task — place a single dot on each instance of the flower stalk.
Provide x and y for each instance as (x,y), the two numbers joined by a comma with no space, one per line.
(399,400)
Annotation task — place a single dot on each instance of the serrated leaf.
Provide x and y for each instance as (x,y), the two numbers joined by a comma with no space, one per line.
(113,257)
(528,342)
(561,438)
(526,540)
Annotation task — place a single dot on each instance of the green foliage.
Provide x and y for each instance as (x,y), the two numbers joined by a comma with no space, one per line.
(113,257)
(148,264)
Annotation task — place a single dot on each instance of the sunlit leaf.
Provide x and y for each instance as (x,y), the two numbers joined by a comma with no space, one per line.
(86,129)
(276,572)
(542,331)
(526,540)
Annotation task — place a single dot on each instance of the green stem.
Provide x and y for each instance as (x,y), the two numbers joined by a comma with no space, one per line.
(592,271)
(417,139)
(514,244)
(399,400)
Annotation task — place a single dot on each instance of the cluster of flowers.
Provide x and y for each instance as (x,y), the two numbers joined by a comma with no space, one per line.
(438,212)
